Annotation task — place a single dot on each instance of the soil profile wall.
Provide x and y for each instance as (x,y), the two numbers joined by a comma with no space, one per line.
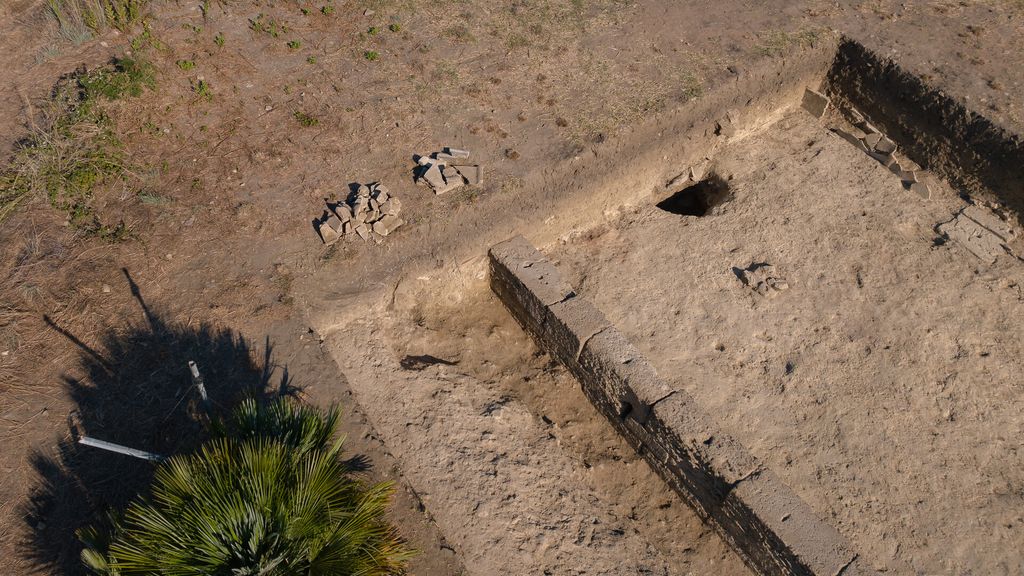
(936,130)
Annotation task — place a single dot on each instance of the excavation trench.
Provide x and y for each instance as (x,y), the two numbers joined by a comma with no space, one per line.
(844,366)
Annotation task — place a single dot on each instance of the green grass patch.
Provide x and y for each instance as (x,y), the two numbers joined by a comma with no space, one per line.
(76,151)
(306,119)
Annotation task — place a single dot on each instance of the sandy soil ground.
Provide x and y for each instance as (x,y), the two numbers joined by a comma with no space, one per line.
(882,383)
(227,242)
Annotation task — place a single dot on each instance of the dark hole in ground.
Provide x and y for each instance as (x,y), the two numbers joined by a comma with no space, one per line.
(697,199)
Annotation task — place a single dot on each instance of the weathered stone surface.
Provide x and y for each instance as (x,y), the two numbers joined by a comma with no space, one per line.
(885,159)
(392,206)
(815,102)
(991,221)
(450,173)
(921,189)
(330,229)
(855,138)
(526,282)
(363,231)
(977,239)
(434,177)
(473,174)
(885,145)
(387,225)
(569,324)
(871,140)
(622,373)
(794,540)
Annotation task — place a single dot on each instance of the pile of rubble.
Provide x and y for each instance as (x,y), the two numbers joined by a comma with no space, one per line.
(874,143)
(370,212)
(445,171)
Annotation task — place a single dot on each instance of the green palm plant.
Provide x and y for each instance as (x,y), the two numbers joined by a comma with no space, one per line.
(267,496)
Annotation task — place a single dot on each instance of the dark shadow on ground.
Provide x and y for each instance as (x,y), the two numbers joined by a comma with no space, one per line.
(135,389)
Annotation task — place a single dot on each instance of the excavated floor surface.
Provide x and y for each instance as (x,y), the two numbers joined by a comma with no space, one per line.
(879,377)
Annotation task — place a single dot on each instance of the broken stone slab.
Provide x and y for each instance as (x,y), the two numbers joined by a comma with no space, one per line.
(871,140)
(387,224)
(815,102)
(450,173)
(921,189)
(393,206)
(363,191)
(473,174)
(885,145)
(990,221)
(853,138)
(452,184)
(977,239)
(885,159)
(363,231)
(434,177)
(856,116)
(331,229)
(342,211)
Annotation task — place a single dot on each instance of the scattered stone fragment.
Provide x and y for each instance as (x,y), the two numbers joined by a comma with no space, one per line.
(853,138)
(363,231)
(450,173)
(447,170)
(885,145)
(977,239)
(392,206)
(473,174)
(342,211)
(434,177)
(815,102)
(856,116)
(921,189)
(871,140)
(991,221)
(761,277)
(387,225)
(331,229)
(885,159)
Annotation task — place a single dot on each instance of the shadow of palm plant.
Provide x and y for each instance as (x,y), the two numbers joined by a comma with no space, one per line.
(135,389)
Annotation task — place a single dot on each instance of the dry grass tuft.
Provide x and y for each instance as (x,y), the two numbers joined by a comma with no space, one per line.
(80,20)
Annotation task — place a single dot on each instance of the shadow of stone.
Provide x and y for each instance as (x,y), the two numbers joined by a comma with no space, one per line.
(136,390)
